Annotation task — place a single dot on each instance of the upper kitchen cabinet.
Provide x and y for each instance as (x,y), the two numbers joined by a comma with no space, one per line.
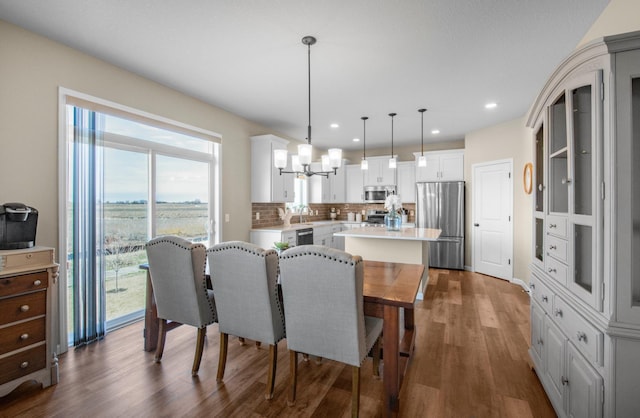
(407,181)
(330,189)
(585,274)
(267,185)
(441,166)
(379,173)
(354,183)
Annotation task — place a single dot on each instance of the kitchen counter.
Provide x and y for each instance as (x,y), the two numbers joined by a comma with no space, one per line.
(296,226)
(407,233)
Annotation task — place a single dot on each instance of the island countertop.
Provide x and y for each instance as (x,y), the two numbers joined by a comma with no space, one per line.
(405,234)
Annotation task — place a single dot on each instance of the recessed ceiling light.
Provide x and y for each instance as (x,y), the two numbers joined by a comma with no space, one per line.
(491,105)
(356,139)
(334,125)
(435,131)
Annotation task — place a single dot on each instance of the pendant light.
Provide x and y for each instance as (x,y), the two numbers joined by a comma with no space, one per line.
(364,165)
(392,160)
(422,160)
(330,163)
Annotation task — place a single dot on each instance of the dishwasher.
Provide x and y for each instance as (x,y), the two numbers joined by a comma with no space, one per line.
(304,236)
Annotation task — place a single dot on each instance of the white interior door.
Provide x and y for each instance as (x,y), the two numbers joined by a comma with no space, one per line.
(492,219)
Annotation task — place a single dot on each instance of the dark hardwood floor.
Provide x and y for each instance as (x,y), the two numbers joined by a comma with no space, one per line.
(471,360)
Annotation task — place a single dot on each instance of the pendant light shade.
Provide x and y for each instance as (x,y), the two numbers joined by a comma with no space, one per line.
(422,160)
(364,165)
(392,160)
(301,163)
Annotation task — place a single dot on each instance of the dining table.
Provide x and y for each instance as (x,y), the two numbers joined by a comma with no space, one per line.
(389,290)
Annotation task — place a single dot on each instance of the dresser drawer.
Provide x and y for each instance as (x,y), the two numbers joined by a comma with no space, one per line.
(23,363)
(584,336)
(557,248)
(24,283)
(21,335)
(557,225)
(22,307)
(25,259)
(557,270)
(542,294)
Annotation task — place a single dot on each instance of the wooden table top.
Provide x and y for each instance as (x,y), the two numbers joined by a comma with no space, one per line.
(392,283)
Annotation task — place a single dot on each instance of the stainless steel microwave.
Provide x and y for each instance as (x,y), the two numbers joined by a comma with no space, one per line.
(378,194)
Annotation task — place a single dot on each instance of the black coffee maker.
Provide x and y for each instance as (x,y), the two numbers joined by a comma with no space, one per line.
(18,224)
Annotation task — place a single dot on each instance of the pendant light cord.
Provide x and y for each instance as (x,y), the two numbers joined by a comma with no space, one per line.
(364,137)
(422,131)
(392,115)
(309,97)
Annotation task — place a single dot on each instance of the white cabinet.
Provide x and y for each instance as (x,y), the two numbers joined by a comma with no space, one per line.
(406,186)
(441,166)
(379,173)
(330,189)
(266,238)
(354,183)
(267,185)
(585,250)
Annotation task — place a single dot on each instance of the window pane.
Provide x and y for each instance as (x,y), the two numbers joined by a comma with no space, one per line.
(182,196)
(125,213)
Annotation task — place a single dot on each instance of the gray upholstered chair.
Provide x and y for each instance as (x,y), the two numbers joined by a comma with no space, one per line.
(177,269)
(322,295)
(244,279)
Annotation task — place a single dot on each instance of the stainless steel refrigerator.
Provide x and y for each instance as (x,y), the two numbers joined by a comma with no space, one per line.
(440,205)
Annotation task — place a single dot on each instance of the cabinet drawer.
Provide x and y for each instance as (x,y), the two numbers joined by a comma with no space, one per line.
(24,283)
(23,363)
(21,259)
(22,307)
(584,336)
(557,226)
(542,294)
(557,270)
(557,248)
(21,335)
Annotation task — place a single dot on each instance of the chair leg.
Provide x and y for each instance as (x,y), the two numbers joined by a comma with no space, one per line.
(222,359)
(293,376)
(162,336)
(355,392)
(376,358)
(202,335)
(271,378)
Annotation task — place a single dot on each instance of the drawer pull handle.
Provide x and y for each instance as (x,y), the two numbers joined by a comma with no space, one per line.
(564,381)
(565,181)
(552,247)
(540,187)
(24,308)
(545,299)
(24,336)
(558,312)
(582,336)
(551,226)
(37,283)
(540,342)
(532,285)
(24,364)
(550,270)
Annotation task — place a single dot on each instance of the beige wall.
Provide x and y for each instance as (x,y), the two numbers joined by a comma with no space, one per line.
(507,140)
(31,70)
(620,16)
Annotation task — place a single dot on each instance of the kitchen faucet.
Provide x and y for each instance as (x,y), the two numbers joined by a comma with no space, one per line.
(302,210)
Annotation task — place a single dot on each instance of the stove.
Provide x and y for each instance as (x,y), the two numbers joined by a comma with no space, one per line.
(375,217)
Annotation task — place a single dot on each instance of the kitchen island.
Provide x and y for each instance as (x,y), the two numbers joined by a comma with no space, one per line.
(408,245)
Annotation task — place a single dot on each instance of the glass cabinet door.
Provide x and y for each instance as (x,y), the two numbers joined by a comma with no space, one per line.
(558,194)
(584,143)
(539,170)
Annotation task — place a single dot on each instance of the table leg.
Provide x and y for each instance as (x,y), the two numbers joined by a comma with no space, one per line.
(391,376)
(150,318)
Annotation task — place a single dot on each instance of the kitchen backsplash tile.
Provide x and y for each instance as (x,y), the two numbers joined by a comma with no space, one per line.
(269,212)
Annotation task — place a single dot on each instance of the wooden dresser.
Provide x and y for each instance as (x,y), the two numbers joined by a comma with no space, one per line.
(28,297)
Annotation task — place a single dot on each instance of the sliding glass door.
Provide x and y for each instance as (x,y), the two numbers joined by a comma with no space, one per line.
(128,181)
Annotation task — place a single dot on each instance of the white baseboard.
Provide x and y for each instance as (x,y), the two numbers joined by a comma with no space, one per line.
(521,283)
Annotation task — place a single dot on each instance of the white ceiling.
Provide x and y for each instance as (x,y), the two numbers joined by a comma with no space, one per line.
(372,57)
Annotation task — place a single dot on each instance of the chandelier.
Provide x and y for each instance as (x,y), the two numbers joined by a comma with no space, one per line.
(301,163)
